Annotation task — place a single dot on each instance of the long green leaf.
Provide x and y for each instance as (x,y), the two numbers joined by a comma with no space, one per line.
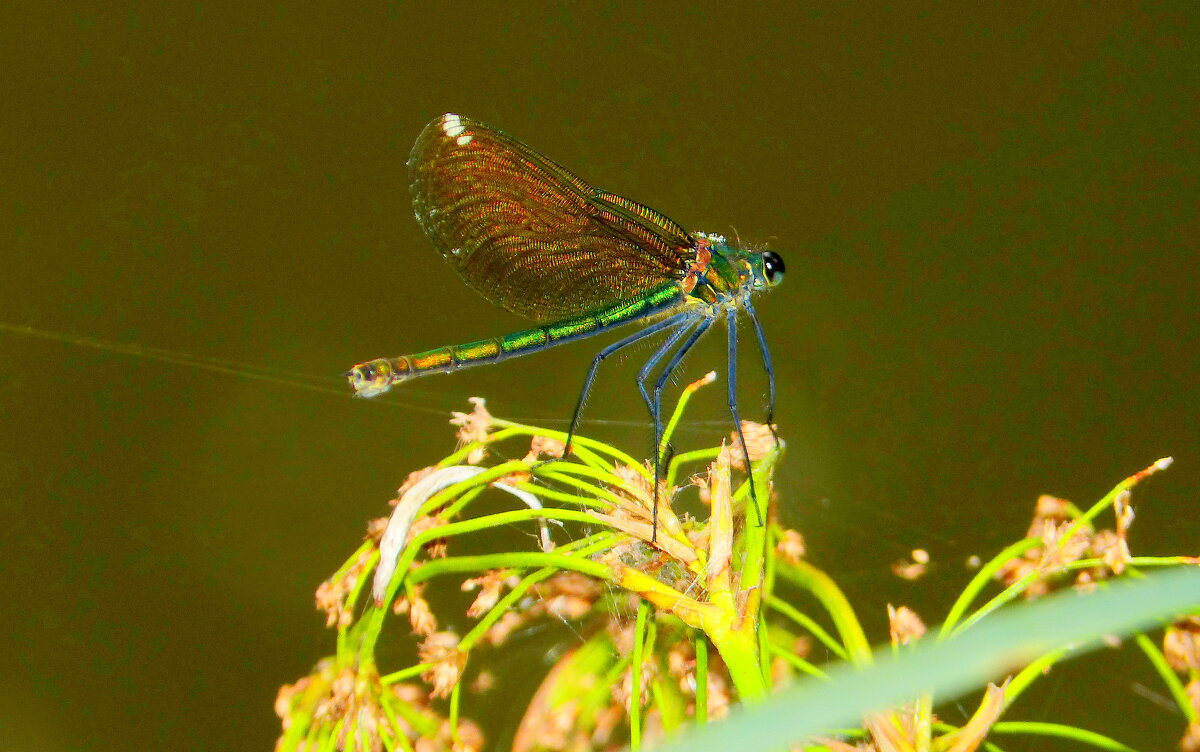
(1000,644)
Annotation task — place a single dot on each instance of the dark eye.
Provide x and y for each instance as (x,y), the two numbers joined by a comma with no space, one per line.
(772,267)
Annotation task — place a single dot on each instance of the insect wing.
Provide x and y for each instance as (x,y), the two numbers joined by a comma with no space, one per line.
(530,236)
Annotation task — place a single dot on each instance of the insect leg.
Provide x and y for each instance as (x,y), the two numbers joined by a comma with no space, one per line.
(655,409)
(667,370)
(731,322)
(637,336)
(766,358)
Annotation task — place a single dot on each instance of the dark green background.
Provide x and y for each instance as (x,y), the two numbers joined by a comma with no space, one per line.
(989,217)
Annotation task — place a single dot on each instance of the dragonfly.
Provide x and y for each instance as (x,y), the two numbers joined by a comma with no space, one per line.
(534,239)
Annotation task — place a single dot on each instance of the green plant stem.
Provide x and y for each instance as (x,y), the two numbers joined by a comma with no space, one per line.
(1062,731)
(496,612)
(1031,673)
(797,662)
(697,455)
(1016,589)
(460,456)
(405,673)
(489,475)
(806,622)
(499,519)
(556,495)
(924,722)
(598,446)
(372,624)
(635,669)
(1168,675)
(701,643)
(400,737)
(680,405)
(982,578)
(948,668)
(343,632)
(562,474)
(822,586)
(455,706)
(739,650)
(508,560)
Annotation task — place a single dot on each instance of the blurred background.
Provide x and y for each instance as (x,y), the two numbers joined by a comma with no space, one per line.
(989,219)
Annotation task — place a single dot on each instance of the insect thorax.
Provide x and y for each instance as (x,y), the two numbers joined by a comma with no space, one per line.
(724,272)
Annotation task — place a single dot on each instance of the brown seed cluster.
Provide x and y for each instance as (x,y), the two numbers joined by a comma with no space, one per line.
(356,710)
(544,446)
(760,440)
(447,662)
(568,596)
(474,427)
(904,625)
(791,547)
(1063,542)
(1181,647)
(332,594)
(914,569)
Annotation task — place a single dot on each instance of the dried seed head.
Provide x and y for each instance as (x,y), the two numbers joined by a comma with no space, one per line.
(791,547)
(331,595)
(509,622)
(623,692)
(1113,548)
(1181,645)
(915,569)
(470,737)
(420,615)
(378,526)
(760,440)
(544,446)
(904,624)
(413,478)
(440,649)
(1191,738)
(1058,550)
(489,584)
(436,547)
(473,426)
(483,682)
(345,708)
(633,478)
(681,660)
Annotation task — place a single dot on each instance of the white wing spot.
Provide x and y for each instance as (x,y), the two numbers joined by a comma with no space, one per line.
(451,125)
(463,140)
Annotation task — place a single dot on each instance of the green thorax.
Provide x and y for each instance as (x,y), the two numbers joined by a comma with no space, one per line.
(730,274)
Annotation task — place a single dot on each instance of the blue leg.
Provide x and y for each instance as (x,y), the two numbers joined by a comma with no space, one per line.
(637,336)
(766,357)
(731,321)
(656,406)
(655,412)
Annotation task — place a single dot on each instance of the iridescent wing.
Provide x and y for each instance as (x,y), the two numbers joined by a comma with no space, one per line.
(527,234)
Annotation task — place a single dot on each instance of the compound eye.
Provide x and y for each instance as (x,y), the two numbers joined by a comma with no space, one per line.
(773,267)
